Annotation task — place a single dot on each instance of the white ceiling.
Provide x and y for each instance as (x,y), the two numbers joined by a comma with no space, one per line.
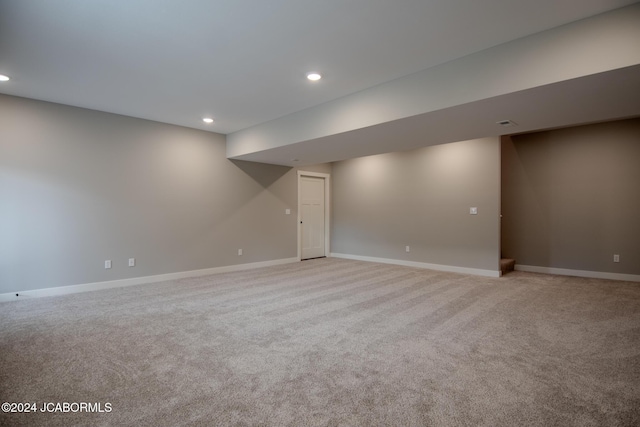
(244,62)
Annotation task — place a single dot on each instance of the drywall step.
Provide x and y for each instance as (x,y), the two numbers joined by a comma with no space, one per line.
(507,265)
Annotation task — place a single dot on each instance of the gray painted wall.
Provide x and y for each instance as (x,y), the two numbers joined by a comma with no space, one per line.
(571,197)
(78,187)
(421,198)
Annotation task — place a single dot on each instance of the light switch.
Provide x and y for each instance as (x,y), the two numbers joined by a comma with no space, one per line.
(287,211)
(473,211)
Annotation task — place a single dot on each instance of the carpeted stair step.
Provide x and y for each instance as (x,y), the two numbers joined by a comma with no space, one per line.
(507,265)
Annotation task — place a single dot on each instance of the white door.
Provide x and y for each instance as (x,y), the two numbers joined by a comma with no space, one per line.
(312,217)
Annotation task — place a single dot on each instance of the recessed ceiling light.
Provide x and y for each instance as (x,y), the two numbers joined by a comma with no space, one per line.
(314,76)
(4,78)
(207,120)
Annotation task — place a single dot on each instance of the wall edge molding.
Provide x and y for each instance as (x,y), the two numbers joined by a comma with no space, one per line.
(87,287)
(578,273)
(438,267)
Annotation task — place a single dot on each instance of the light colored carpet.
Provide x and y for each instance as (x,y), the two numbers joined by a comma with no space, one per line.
(331,342)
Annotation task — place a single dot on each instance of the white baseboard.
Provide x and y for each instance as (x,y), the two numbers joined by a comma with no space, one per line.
(579,273)
(72,289)
(438,267)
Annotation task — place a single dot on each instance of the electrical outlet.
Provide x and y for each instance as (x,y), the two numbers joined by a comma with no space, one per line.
(407,249)
(239,251)
(616,258)
(287,211)
(473,211)
(107,264)
(132,262)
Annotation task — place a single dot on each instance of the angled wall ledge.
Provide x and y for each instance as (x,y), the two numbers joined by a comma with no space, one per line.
(595,46)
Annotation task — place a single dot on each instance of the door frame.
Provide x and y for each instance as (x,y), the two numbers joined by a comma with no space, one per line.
(327,210)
